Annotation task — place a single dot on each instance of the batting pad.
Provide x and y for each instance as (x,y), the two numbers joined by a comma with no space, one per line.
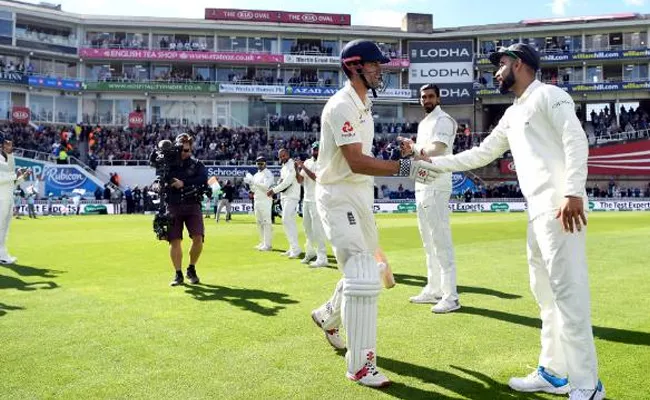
(360,291)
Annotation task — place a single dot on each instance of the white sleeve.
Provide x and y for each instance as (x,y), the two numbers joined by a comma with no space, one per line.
(491,148)
(445,131)
(343,122)
(562,116)
(287,180)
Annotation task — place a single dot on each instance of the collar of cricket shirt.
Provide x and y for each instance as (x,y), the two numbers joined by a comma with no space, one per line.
(363,108)
(533,85)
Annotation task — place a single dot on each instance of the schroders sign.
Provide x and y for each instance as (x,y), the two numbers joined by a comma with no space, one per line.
(286,17)
(448,64)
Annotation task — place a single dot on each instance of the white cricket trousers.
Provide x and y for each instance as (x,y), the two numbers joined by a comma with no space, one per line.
(435,231)
(263,218)
(6,212)
(314,231)
(349,224)
(289,213)
(558,278)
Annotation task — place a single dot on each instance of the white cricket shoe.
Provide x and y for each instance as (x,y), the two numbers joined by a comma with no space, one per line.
(319,263)
(294,254)
(286,253)
(258,246)
(308,258)
(541,381)
(445,306)
(425,298)
(7,259)
(369,375)
(588,394)
(332,336)
(264,248)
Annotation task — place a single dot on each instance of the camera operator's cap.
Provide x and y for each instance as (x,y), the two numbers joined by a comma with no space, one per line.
(315,145)
(260,159)
(183,138)
(526,53)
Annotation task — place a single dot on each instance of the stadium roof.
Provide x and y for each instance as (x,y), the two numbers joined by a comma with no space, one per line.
(549,25)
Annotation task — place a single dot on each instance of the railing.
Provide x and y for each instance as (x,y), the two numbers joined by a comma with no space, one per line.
(573,51)
(46,38)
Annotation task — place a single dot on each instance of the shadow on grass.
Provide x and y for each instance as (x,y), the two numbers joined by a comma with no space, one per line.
(25,270)
(10,282)
(421,281)
(481,387)
(246,299)
(6,307)
(610,334)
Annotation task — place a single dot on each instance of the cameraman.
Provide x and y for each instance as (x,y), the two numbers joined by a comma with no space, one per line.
(188,174)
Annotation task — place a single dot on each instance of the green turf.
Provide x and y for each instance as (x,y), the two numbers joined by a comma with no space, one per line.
(88,314)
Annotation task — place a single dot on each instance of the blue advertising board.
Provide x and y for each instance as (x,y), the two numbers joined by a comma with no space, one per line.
(461,183)
(585,87)
(54,83)
(60,180)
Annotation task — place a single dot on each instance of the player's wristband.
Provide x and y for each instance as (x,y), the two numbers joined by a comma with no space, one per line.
(404,167)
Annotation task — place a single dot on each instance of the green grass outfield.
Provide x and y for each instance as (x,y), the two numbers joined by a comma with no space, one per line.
(88,314)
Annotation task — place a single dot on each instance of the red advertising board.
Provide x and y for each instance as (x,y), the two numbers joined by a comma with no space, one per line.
(136,120)
(615,159)
(20,115)
(507,166)
(286,17)
(621,159)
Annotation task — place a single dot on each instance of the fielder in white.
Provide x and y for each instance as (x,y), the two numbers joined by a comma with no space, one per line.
(436,134)
(260,184)
(290,189)
(550,151)
(315,246)
(344,199)
(8,181)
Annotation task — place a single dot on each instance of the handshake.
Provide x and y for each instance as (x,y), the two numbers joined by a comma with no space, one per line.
(419,167)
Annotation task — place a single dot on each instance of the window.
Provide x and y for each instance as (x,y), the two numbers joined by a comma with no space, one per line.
(595,42)
(331,47)
(42,107)
(384,112)
(330,78)
(635,72)
(203,73)
(391,80)
(635,40)
(616,41)
(537,43)
(66,110)
(231,74)
(162,72)
(487,47)
(571,74)
(262,45)
(136,72)
(288,45)
(595,73)
(6,28)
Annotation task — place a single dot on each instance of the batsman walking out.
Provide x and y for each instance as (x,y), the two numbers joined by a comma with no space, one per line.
(344,199)
(550,151)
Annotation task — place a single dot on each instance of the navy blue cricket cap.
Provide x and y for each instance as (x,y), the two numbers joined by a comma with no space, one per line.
(526,53)
(361,51)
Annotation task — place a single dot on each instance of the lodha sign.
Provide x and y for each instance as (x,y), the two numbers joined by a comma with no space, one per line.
(287,17)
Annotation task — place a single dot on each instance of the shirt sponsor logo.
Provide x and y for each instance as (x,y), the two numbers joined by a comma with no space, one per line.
(347,129)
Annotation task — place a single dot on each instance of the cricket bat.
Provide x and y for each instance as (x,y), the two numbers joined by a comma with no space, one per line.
(387,278)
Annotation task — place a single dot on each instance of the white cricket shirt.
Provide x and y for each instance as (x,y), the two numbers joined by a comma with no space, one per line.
(288,185)
(7,172)
(262,181)
(308,183)
(345,120)
(437,126)
(548,144)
